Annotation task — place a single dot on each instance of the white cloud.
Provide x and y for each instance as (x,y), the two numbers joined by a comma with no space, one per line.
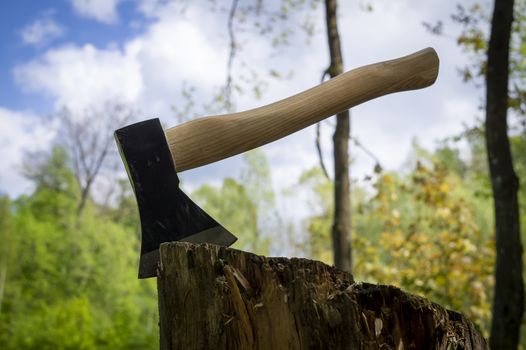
(148,71)
(101,10)
(176,52)
(156,8)
(42,31)
(20,132)
(82,77)
(190,47)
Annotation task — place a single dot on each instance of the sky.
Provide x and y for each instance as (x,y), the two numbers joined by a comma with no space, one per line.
(80,54)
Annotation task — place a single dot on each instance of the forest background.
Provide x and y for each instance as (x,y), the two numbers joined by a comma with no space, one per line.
(422,207)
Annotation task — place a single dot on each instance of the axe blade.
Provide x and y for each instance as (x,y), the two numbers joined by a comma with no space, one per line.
(166,212)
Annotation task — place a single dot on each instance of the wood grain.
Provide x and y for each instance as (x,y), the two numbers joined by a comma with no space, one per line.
(213,297)
(206,140)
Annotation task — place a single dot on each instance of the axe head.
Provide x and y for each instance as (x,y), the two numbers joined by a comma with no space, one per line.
(166,213)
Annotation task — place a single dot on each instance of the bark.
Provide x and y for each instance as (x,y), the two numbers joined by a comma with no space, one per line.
(341,229)
(508,302)
(212,297)
(227,90)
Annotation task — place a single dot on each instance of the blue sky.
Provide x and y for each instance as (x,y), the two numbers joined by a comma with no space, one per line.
(81,53)
(73,27)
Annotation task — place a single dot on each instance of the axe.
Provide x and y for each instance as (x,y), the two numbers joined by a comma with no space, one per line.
(153,157)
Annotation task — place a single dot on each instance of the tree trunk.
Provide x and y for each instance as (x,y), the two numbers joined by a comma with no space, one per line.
(508,301)
(212,297)
(341,229)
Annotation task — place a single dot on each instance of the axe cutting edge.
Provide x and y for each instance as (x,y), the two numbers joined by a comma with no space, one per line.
(153,157)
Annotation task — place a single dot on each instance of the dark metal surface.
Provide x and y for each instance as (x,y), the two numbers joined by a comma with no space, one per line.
(166,212)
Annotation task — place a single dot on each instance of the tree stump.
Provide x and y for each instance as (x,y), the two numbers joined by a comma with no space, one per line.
(212,297)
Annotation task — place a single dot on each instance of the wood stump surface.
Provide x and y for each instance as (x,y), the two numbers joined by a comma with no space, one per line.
(213,297)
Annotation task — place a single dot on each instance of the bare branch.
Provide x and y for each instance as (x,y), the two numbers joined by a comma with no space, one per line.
(318,140)
(366,150)
(231,56)
(88,138)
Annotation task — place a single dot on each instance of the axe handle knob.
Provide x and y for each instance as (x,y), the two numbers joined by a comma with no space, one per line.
(206,140)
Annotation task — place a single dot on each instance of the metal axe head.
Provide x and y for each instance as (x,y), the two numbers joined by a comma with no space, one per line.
(166,212)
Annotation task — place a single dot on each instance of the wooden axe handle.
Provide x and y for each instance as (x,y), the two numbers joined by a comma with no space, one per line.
(206,140)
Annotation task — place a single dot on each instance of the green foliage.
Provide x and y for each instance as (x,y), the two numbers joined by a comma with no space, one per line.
(518,147)
(474,40)
(319,244)
(71,281)
(429,231)
(246,209)
(430,243)
(224,205)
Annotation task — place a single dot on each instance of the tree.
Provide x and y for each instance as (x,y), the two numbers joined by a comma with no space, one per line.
(71,281)
(499,60)
(224,204)
(341,227)
(429,236)
(88,136)
(508,302)
(419,229)
(474,39)
(277,20)
(245,208)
